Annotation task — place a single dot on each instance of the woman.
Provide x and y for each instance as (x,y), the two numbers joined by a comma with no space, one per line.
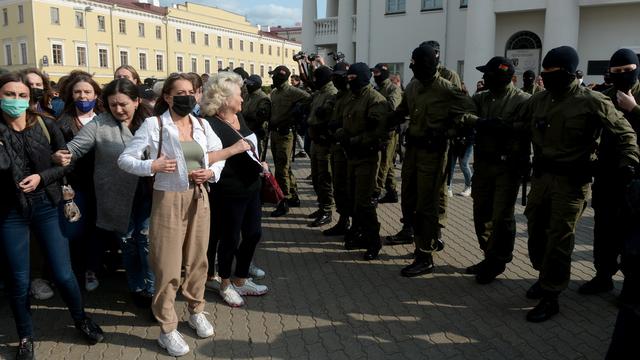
(41,93)
(30,192)
(123,200)
(236,205)
(179,227)
(127,72)
(81,97)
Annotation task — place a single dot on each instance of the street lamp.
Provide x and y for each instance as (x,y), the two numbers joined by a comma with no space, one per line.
(85,10)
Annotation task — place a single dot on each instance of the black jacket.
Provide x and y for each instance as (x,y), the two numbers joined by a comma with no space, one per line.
(40,152)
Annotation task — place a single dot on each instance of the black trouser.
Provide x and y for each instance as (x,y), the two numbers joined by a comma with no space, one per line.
(609,225)
(230,218)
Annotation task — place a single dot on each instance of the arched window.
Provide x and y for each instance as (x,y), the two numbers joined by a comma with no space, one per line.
(524,40)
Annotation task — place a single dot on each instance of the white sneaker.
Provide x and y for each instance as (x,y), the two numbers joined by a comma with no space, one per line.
(174,343)
(251,289)
(255,272)
(231,296)
(213,284)
(203,327)
(449,192)
(466,192)
(91,281)
(40,289)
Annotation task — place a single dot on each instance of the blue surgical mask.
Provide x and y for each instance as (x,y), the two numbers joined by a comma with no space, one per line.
(85,105)
(196,110)
(14,107)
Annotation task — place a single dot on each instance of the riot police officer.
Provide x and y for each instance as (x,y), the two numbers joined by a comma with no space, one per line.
(256,109)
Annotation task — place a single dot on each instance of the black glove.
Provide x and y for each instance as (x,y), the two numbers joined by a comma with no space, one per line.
(626,174)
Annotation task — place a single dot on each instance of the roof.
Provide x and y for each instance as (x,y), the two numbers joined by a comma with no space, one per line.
(135,5)
(275,36)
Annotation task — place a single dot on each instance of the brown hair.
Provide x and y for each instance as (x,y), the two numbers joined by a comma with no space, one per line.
(66,91)
(46,84)
(21,78)
(161,103)
(133,72)
(125,87)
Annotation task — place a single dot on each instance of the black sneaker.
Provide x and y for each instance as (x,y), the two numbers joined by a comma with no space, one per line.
(322,219)
(315,214)
(423,264)
(91,331)
(25,349)
(546,308)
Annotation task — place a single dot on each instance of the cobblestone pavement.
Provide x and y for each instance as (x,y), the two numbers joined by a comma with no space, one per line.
(326,302)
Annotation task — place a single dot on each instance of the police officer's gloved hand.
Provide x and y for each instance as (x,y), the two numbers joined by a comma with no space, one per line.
(626,174)
(341,137)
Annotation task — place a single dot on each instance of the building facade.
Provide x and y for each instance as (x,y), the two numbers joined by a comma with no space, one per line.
(470,32)
(58,36)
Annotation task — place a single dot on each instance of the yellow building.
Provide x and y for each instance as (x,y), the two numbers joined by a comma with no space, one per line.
(59,36)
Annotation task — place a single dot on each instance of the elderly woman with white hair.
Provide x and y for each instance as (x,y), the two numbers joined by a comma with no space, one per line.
(235,198)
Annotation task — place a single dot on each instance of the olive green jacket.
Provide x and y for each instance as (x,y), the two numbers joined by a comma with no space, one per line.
(283,99)
(391,92)
(256,110)
(320,111)
(533,89)
(450,75)
(364,118)
(341,100)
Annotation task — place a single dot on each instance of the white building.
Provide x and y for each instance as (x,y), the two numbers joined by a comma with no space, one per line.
(470,32)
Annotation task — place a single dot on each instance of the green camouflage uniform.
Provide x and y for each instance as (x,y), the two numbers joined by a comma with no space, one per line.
(256,111)
(386,173)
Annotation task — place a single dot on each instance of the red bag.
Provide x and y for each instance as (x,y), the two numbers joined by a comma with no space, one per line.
(271,192)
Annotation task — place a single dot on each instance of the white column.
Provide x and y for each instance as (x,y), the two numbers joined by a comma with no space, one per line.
(345,29)
(309,15)
(332,8)
(362,31)
(479,41)
(561,24)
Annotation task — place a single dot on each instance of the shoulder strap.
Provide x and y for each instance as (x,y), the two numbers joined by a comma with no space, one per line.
(160,143)
(243,138)
(44,128)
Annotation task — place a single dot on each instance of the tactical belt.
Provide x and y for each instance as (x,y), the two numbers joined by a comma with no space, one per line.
(428,142)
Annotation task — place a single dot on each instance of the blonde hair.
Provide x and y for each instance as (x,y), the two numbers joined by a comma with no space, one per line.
(217,90)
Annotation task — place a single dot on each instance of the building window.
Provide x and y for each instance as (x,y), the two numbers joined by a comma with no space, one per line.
(101,23)
(269,49)
(55,15)
(8,58)
(219,65)
(20,14)
(178,35)
(207,66)
(231,65)
(261,48)
(103,58)
(180,63)
(396,68)
(5,17)
(81,55)
(242,65)
(230,44)
(286,53)
(56,52)
(124,57)
(464,3)
(194,65)
(206,39)
(395,6)
(23,53)
(241,45)
(428,5)
(278,51)
(142,57)
(251,46)
(261,70)
(219,41)
(252,69)
(79,19)
(122,25)
(141,29)
(270,69)
(193,37)
(159,62)
(158,32)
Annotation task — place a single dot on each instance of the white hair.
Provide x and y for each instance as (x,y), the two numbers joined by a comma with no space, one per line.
(217,90)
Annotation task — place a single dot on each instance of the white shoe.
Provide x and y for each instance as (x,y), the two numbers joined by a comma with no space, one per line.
(251,289)
(174,343)
(449,192)
(231,296)
(466,192)
(214,283)
(91,281)
(40,289)
(255,272)
(203,327)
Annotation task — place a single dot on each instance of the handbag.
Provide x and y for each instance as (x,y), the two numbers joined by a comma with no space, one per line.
(270,192)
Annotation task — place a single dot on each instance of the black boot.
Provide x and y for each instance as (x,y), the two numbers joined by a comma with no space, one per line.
(423,264)
(315,214)
(323,218)
(25,349)
(281,210)
(91,331)
(489,272)
(338,229)
(354,239)
(404,236)
(439,241)
(390,197)
(474,269)
(294,201)
(546,308)
(597,285)
(375,244)
(535,292)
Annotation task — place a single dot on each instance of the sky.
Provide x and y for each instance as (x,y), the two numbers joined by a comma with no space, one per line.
(262,12)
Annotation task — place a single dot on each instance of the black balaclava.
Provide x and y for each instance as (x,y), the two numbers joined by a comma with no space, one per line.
(424,63)
(497,73)
(339,76)
(528,78)
(565,58)
(363,76)
(242,72)
(626,80)
(321,76)
(253,82)
(280,75)
(384,74)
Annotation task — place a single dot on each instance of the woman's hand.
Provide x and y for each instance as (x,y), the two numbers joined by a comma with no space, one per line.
(30,183)
(201,176)
(265,166)
(61,157)
(240,146)
(162,164)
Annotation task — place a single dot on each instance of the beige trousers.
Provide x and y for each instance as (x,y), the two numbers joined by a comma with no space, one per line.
(179,237)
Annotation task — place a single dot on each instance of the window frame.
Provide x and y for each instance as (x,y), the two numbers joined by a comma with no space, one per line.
(54,15)
(20,14)
(435,7)
(389,10)
(102,23)
(126,53)
(141,30)
(160,64)
(53,52)
(78,57)
(106,57)
(79,17)
(158,32)
(122,26)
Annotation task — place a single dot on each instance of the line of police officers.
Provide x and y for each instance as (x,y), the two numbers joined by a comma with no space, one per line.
(575,134)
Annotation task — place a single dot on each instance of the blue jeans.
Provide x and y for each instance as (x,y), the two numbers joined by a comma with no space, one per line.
(464,156)
(135,243)
(14,241)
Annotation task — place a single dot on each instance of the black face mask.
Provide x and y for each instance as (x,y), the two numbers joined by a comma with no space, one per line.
(624,81)
(37,94)
(183,105)
(340,82)
(384,75)
(527,82)
(424,72)
(557,81)
(494,82)
(278,80)
(357,84)
(252,88)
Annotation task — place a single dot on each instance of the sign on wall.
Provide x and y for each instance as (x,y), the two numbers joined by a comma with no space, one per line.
(523,60)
